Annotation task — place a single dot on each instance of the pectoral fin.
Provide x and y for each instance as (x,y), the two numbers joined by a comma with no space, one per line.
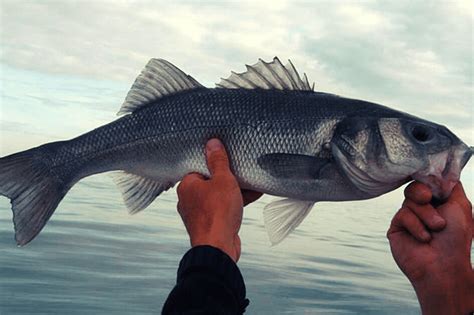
(281,217)
(297,166)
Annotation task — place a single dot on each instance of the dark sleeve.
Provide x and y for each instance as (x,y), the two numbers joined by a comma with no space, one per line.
(208,282)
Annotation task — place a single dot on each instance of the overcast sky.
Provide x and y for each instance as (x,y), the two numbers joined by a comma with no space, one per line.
(67,65)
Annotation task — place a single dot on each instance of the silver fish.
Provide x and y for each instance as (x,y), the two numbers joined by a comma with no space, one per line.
(283,139)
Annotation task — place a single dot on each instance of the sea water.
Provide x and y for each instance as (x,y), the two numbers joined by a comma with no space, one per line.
(94,258)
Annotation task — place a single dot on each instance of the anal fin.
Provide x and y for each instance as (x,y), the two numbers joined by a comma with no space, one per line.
(139,192)
(281,217)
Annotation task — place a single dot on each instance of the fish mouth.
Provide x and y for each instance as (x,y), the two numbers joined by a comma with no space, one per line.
(444,170)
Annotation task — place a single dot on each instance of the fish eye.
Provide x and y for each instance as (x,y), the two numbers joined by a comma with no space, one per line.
(421,133)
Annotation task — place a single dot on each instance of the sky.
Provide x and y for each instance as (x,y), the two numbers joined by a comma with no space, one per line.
(66,66)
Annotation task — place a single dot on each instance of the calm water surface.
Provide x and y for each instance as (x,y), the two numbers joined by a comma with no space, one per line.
(93,258)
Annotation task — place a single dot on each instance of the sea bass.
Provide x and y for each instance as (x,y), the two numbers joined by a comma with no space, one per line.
(283,139)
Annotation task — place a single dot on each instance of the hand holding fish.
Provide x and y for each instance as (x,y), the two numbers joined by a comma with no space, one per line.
(211,209)
(432,247)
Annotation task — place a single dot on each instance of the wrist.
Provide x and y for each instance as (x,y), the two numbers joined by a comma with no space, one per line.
(227,246)
(446,292)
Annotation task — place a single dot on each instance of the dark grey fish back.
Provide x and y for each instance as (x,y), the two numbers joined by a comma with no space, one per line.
(203,108)
(210,107)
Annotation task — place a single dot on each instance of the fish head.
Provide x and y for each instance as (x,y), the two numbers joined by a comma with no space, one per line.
(380,154)
(447,155)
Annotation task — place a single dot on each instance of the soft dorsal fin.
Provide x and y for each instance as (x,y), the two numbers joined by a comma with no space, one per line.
(157,79)
(267,75)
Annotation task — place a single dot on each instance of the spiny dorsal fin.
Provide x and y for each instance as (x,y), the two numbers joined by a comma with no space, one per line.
(157,79)
(138,192)
(267,75)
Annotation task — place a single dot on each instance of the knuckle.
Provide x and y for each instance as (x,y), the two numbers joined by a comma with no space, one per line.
(180,188)
(218,158)
(405,202)
(423,212)
(418,228)
(468,205)
(403,212)
(407,217)
(418,193)
(394,222)
(406,192)
(412,188)
(188,182)
(410,206)
(396,219)
(219,161)
(404,221)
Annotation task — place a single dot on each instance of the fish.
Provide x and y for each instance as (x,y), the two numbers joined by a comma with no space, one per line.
(283,138)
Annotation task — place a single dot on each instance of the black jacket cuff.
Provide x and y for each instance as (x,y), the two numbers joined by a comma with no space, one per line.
(214,260)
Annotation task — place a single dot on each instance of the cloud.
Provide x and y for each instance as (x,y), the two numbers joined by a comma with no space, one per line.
(414,56)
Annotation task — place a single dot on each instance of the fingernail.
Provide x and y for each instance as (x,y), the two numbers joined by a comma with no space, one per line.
(214,145)
(425,235)
(438,221)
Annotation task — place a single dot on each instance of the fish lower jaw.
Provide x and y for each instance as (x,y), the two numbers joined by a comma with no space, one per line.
(440,177)
(440,188)
(444,171)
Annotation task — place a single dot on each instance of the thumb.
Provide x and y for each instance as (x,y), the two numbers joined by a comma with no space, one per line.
(217,160)
(457,199)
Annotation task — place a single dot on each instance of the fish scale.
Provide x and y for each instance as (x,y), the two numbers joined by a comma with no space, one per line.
(282,137)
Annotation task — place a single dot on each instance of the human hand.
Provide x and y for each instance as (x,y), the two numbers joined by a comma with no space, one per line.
(211,209)
(432,246)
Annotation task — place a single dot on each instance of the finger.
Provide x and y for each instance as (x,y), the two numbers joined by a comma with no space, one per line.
(395,225)
(188,181)
(428,215)
(399,237)
(406,220)
(418,192)
(457,202)
(250,196)
(458,195)
(217,160)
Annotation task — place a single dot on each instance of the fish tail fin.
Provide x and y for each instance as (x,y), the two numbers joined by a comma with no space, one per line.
(34,189)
